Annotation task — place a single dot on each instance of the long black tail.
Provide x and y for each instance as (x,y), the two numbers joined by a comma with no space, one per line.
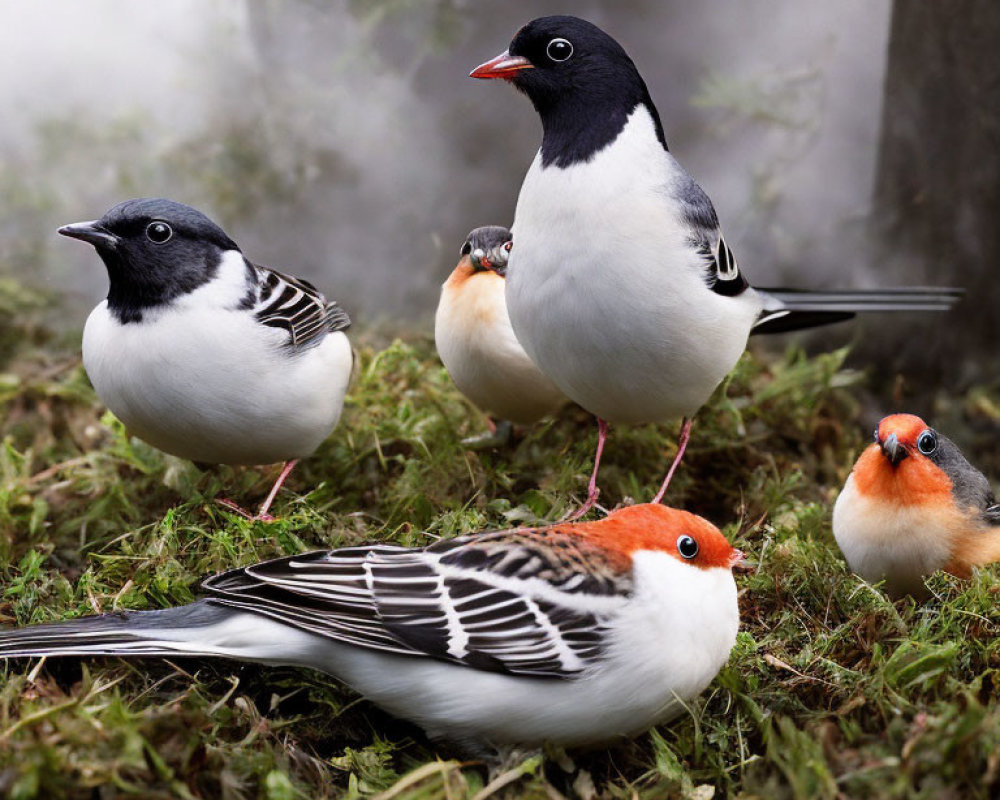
(794,309)
(171,631)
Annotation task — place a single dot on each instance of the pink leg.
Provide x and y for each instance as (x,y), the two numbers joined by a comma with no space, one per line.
(682,444)
(592,490)
(286,470)
(263,515)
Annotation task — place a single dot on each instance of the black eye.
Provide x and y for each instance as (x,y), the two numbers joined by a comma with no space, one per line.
(507,246)
(927,442)
(687,547)
(559,50)
(158,232)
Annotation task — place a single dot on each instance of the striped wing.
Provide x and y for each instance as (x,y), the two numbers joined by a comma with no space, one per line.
(297,306)
(722,272)
(522,602)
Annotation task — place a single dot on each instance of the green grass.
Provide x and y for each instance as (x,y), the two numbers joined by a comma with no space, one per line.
(832,690)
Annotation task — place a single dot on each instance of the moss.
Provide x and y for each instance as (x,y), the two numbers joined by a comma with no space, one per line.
(832,689)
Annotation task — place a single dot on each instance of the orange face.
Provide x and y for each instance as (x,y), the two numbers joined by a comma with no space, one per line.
(652,526)
(896,470)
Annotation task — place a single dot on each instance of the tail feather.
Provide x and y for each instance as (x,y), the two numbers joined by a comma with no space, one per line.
(171,631)
(795,309)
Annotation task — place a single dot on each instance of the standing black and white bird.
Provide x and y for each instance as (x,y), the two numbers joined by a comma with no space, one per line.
(477,344)
(620,286)
(573,634)
(202,353)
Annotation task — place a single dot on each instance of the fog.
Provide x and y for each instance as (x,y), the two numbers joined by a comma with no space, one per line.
(344,142)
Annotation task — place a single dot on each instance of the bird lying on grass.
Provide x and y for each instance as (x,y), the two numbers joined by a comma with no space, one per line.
(478,347)
(202,353)
(571,634)
(620,286)
(913,505)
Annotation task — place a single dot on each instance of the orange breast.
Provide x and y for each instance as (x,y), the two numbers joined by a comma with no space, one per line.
(916,480)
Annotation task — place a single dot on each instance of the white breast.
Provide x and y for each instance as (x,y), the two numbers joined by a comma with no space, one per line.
(896,542)
(201,379)
(478,347)
(606,292)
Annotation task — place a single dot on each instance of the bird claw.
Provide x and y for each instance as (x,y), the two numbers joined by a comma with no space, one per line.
(500,436)
(573,516)
(229,505)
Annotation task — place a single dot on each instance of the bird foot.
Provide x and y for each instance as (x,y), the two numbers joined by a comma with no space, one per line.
(573,516)
(500,436)
(238,509)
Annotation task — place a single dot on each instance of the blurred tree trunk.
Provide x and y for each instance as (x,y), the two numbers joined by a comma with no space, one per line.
(937,185)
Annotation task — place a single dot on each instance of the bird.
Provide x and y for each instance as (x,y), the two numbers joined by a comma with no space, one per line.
(914,505)
(478,347)
(573,633)
(204,354)
(620,286)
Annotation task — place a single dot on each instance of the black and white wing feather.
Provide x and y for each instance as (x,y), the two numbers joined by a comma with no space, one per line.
(297,306)
(534,603)
(722,273)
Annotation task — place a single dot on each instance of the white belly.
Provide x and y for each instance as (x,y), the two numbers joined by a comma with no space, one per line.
(896,542)
(478,348)
(220,395)
(607,295)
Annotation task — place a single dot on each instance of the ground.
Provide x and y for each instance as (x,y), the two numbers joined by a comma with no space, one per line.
(832,690)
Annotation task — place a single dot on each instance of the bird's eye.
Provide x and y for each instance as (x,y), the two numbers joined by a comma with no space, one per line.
(507,246)
(927,442)
(466,249)
(559,50)
(687,547)
(158,232)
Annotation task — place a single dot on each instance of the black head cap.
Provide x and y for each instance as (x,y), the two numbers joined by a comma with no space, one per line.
(155,250)
(581,81)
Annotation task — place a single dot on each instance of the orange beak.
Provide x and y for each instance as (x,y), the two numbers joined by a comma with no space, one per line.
(502,66)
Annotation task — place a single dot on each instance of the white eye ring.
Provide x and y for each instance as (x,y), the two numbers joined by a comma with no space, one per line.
(559,41)
(158,226)
(927,442)
(687,546)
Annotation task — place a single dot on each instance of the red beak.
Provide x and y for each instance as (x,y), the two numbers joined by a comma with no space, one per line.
(503,66)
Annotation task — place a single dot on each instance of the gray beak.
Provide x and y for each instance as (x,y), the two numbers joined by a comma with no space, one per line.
(91,232)
(893,450)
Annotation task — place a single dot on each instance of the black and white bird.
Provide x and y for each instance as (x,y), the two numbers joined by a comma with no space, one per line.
(204,354)
(477,344)
(573,634)
(620,286)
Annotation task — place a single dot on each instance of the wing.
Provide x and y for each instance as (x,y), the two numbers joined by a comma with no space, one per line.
(297,306)
(522,602)
(722,273)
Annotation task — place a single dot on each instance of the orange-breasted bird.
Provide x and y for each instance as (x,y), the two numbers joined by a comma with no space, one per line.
(913,505)
(477,344)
